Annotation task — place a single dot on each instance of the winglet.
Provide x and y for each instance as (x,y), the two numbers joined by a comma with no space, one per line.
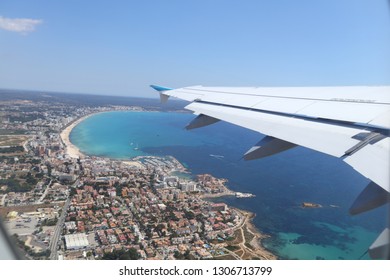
(161,90)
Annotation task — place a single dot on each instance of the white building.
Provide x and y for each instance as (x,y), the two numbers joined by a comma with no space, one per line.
(76,241)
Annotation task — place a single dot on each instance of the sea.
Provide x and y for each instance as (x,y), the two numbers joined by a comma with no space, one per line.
(280,182)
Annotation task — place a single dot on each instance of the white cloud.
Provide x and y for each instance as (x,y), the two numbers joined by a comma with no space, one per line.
(22,25)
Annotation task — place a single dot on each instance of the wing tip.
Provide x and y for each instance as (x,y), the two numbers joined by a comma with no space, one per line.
(160,88)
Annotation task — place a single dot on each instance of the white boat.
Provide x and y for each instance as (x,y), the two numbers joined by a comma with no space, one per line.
(244,195)
(216,156)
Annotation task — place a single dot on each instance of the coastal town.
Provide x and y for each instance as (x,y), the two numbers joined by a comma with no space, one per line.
(58,203)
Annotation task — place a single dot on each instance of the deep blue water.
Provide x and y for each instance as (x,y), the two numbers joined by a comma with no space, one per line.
(281,182)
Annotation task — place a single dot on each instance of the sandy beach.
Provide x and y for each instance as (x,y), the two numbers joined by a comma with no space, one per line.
(71,149)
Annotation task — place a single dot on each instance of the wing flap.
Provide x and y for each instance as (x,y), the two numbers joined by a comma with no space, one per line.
(373,161)
(318,136)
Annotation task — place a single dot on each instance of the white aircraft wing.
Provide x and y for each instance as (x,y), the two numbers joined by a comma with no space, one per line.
(351,123)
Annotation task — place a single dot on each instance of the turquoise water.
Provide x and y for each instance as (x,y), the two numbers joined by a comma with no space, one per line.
(281,182)
(125,134)
(293,248)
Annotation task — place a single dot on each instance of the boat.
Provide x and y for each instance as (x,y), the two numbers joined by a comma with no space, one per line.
(216,156)
(244,195)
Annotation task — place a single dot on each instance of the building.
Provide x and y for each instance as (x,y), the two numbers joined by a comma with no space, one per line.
(76,241)
(188,187)
(219,207)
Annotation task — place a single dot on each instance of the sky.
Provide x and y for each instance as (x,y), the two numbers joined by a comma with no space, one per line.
(121,47)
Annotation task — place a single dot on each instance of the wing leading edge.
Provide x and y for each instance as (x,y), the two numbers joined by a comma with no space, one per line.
(351,123)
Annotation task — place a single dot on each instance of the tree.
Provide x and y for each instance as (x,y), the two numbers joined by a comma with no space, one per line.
(131,254)
(189,215)
(30,179)
(49,168)
(72,192)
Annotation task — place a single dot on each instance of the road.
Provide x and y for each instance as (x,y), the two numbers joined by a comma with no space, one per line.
(44,193)
(57,231)
(234,255)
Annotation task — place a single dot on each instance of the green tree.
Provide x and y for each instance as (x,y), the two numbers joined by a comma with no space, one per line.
(131,254)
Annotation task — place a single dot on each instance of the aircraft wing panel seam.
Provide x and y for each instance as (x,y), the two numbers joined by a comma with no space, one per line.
(342,100)
(384,130)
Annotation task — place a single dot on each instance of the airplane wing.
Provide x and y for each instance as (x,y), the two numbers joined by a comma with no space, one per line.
(349,122)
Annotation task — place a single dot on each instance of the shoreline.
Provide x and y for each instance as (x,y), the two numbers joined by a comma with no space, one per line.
(255,249)
(70,149)
(258,247)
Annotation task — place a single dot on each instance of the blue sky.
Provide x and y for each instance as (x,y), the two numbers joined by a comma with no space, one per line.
(120,47)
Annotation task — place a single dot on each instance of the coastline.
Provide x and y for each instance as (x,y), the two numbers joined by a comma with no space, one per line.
(255,243)
(251,247)
(70,149)
(248,236)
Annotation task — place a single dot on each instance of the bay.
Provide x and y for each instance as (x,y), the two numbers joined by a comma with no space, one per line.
(280,182)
